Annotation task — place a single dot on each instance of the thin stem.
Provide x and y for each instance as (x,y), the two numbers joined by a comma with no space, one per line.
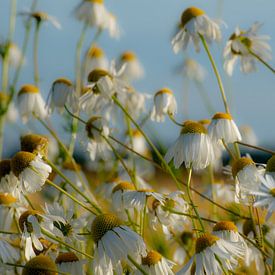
(256,147)
(137,265)
(216,73)
(189,175)
(70,196)
(5,71)
(2,126)
(174,121)
(262,61)
(35,53)
(237,149)
(228,150)
(45,232)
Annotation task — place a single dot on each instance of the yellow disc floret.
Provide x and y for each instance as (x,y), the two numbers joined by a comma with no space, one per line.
(189,14)
(96,74)
(240,164)
(204,241)
(6,199)
(192,127)
(67,257)
(34,144)
(222,116)
(95,1)
(21,161)
(40,265)
(152,258)
(28,89)
(164,91)
(102,224)
(272,192)
(40,16)
(225,226)
(64,81)
(95,52)
(128,56)
(124,185)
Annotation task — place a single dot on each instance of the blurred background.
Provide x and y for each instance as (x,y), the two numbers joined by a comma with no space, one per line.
(147,28)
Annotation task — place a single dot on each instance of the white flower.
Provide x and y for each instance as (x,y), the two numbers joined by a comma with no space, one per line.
(208,247)
(62,93)
(8,254)
(195,22)
(248,135)
(193,147)
(223,127)
(133,69)
(94,140)
(13,51)
(30,102)
(247,178)
(114,242)
(8,181)
(112,26)
(192,70)
(241,44)
(69,263)
(155,264)
(30,170)
(265,197)
(164,103)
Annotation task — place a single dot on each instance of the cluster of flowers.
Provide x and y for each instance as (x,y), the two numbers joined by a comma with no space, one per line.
(124,224)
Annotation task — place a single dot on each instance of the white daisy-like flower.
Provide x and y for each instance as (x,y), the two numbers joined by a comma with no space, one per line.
(194,22)
(114,242)
(247,178)
(94,140)
(270,167)
(8,254)
(95,59)
(92,13)
(163,213)
(31,171)
(13,51)
(240,46)
(139,142)
(133,68)
(208,248)
(30,102)
(223,127)
(8,181)
(248,135)
(62,93)
(164,103)
(155,264)
(193,147)
(29,225)
(265,197)
(39,265)
(192,70)
(69,263)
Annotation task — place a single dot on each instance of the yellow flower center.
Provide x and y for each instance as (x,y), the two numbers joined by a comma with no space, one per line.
(169,203)
(23,220)
(189,14)
(5,167)
(152,258)
(272,192)
(34,143)
(270,165)
(192,127)
(64,81)
(39,16)
(28,89)
(222,116)
(246,41)
(240,164)
(39,265)
(137,133)
(102,224)
(21,161)
(225,225)
(96,1)
(90,127)
(6,199)
(128,56)
(204,122)
(67,257)
(123,186)
(95,52)
(164,91)
(96,74)
(204,241)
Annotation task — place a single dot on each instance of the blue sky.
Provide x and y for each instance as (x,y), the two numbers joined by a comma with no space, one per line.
(147,29)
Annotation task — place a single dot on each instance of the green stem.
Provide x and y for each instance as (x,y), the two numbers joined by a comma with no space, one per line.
(2,125)
(216,73)
(174,121)
(256,147)
(5,71)
(137,265)
(35,53)
(262,61)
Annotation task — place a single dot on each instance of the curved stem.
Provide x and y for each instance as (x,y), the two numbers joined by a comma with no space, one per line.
(262,61)
(216,73)
(137,265)
(35,53)
(174,121)
(256,147)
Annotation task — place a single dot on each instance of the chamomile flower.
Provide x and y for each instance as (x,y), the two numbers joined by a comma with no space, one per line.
(223,127)
(11,114)
(30,170)
(241,45)
(247,179)
(29,225)
(8,254)
(40,264)
(112,26)
(248,135)
(62,93)
(8,181)
(155,264)
(13,51)
(133,69)
(114,242)
(194,22)
(68,262)
(265,197)
(30,102)
(94,140)
(193,147)
(192,70)
(164,103)
(95,59)
(35,144)
(208,248)
(270,167)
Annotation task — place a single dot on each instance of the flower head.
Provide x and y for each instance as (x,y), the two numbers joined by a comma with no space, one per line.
(70,263)
(35,144)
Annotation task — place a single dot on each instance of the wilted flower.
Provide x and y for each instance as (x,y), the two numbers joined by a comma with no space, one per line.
(35,144)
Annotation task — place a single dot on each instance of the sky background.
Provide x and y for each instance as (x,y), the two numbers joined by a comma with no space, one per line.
(147,27)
